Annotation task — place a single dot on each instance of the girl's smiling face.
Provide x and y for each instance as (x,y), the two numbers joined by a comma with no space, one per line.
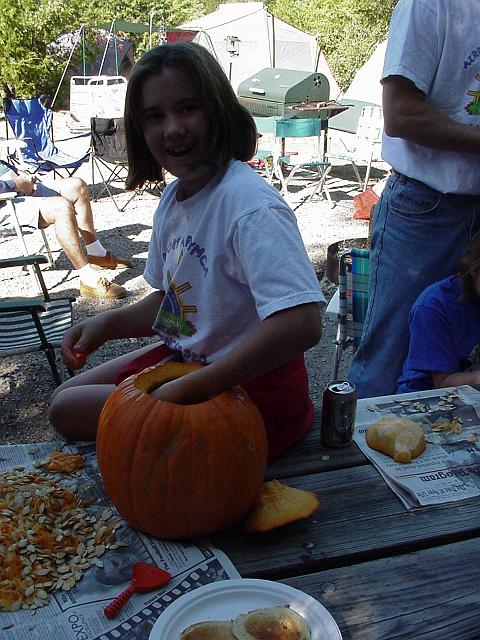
(175,128)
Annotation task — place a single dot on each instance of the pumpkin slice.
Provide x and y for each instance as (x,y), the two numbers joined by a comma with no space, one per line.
(278,505)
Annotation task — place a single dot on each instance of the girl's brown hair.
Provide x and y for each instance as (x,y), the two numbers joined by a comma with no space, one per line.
(469,263)
(232,131)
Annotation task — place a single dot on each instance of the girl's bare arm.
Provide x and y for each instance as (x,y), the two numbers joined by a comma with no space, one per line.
(280,337)
(441,380)
(131,321)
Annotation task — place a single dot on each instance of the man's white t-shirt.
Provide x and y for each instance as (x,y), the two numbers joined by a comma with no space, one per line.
(436,45)
(227,258)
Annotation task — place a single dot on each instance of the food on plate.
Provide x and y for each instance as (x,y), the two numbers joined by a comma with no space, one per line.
(269,623)
(279,504)
(400,438)
(213,630)
(272,623)
(180,471)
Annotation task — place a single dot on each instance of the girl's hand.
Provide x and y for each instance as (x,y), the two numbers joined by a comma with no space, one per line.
(179,391)
(81,340)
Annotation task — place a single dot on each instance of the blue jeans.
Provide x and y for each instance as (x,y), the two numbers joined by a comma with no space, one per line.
(418,236)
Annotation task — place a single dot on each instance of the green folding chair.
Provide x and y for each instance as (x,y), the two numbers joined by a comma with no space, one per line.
(35,324)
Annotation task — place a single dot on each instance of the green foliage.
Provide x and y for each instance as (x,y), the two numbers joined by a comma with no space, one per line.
(347,30)
(32,65)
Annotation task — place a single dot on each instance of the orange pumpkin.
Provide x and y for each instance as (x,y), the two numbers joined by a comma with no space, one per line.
(180,471)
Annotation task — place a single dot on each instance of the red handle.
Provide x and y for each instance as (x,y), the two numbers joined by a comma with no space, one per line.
(113,609)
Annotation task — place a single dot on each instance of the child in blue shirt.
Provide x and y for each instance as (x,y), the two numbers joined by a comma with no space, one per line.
(444,326)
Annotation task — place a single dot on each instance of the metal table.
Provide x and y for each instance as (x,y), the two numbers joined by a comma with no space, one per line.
(382,571)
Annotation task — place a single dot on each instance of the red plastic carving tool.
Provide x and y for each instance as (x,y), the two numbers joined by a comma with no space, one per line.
(145,577)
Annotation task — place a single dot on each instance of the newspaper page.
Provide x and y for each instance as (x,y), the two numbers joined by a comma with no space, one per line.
(78,613)
(449,468)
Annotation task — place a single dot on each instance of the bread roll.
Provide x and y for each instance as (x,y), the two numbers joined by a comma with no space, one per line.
(400,438)
(213,630)
(274,623)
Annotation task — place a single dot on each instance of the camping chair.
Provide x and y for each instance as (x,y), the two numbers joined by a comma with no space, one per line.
(364,143)
(7,208)
(31,121)
(319,169)
(109,158)
(352,301)
(34,324)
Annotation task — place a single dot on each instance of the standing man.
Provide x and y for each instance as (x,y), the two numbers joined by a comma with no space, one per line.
(430,207)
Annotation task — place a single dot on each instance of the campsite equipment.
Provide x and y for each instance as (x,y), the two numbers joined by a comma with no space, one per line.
(277,92)
(264,41)
(145,577)
(30,119)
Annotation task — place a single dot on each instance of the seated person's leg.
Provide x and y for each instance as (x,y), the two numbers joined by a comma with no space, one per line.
(58,211)
(77,403)
(76,192)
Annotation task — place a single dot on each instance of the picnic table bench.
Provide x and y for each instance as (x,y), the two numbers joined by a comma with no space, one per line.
(382,571)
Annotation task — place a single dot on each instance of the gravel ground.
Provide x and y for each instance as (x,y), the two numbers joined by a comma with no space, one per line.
(25,380)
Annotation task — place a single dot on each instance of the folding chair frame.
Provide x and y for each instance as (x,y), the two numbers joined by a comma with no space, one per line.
(35,307)
(368,135)
(353,301)
(28,157)
(9,199)
(115,163)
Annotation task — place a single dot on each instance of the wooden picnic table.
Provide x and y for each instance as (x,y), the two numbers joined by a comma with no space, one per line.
(382,571)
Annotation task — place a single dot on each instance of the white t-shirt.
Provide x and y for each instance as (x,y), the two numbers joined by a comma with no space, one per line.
(227,258)
(435,44)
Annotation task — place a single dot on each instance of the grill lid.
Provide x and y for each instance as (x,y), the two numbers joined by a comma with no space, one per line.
(274,92)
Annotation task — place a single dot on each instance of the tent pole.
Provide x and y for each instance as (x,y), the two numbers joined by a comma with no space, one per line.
(66,66)
(273,39)
(112,30)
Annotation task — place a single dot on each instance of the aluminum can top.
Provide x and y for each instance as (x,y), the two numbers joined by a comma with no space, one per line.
(341,386)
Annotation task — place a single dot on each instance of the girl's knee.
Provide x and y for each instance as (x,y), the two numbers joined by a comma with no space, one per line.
(63,412)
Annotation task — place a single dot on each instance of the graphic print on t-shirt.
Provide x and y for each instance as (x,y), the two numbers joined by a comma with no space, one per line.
(473,108)
(171,318)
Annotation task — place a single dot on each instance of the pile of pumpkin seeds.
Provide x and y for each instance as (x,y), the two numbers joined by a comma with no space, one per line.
(48,539)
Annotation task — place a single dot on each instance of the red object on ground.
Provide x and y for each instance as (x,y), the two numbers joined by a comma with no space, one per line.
(363,204)
(145,577)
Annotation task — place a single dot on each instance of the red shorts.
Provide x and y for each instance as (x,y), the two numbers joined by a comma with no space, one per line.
(281,396)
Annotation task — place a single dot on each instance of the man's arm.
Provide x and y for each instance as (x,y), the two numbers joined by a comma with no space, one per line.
(407,115)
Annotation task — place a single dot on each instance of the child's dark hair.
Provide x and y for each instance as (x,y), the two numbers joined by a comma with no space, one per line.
(232,131)
(470,262)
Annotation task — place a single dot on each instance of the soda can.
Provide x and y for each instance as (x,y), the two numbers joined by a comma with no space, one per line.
(338,413)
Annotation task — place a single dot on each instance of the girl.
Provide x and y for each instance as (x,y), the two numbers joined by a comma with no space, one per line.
(445,330)
(233,285)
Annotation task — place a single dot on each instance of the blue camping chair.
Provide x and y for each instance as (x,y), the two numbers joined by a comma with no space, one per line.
(353,302)
(31,122)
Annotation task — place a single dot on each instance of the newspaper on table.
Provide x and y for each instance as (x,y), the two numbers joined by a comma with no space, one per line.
(78,613)
(449,468)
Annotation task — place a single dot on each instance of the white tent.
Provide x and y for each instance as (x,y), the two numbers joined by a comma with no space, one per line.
(366,83)
(265,41)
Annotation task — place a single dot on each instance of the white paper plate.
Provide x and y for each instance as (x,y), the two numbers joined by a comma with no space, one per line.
(227,599)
